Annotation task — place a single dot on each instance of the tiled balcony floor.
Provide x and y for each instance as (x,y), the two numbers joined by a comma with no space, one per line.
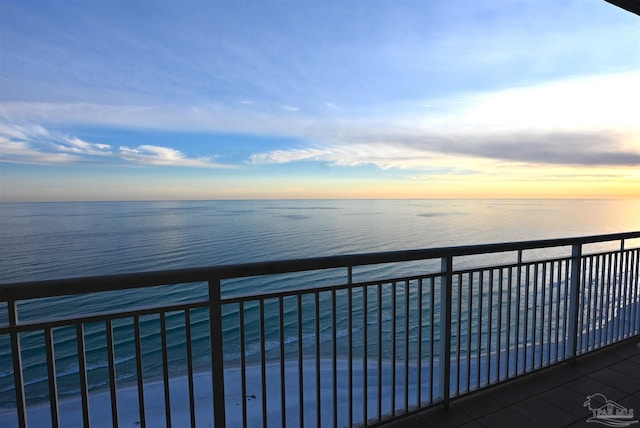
(551,398)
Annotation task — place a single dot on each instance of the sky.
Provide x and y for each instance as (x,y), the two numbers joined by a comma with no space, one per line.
(163,100)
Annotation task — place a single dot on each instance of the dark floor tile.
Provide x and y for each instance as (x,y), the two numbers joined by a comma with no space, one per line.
(627,366)
(635,359)
(594,362)
(506,418)
(411,421)
(562,374)
(509,393)
(567,400)
(472,424)
(542,413)
(438,417)
(630,347)
(631,402)
(536,383)
(630,370)
(588,386)
(626,383)
(609,355)
(478,405)
(581,423)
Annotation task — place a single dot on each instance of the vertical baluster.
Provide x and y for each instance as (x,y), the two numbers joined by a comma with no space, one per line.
(508,325)
(479,339)
(317,336)
(635,295)
(51,374)
(458,334)
(591,309)
(350,353)
(82,372)
(165,369)
(263,364)
(526,318)
(559,284)
(615,298)
(189,349)
(446,283)
(543,303)
(217,360)
(379,302)
(583,334)
(534,325)
(300,363)
(139,372)
(599,273)
(432,336)
(636,288)
(16,352)
(419,358)
(469,327)
(112,373)
(365,347)
(334,365)
(576,260)
(518,301)
(620,291)
(490,328)
(393,348)
(499,329)
(551,303)
(610,302)
(406,346)
(243,364)
(283,392)
(627,300)
(630,301)
(565,317)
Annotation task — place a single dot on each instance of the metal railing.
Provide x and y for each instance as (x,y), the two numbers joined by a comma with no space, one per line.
(336,341)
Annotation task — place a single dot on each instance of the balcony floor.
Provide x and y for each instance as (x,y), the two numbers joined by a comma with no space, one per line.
(550,398)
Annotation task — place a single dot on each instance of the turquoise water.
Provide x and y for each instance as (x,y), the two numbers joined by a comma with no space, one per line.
(57,240)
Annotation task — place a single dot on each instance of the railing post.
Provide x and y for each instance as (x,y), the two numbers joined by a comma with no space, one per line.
(21,407)
(217,357)
(446,284)
(574,308)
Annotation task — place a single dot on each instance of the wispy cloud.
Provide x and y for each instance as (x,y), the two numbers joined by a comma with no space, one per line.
(21,152)
(588,121)
(578,122)
(384,156)
(37,145)
(162,156)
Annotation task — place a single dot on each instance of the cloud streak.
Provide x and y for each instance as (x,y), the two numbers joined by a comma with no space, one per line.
(162,156)
(423,152)
(36,145)
(577,122)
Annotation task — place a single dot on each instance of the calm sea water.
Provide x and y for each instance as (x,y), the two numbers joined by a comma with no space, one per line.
(41,241)
(56,240)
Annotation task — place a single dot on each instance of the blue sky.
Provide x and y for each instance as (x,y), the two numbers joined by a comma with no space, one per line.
(318,99)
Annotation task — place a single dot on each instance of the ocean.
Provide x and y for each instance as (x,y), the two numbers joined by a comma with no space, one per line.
(40,241)
(58,240)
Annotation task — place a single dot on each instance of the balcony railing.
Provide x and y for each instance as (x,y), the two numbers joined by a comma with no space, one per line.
(333,341)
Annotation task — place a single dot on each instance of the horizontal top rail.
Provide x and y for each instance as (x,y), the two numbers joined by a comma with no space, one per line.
(68,286)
